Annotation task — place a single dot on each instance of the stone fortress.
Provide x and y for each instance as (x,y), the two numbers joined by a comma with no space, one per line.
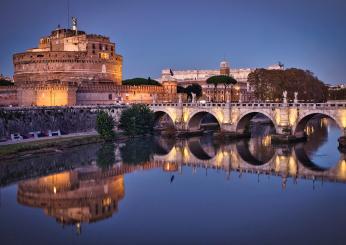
(71,67)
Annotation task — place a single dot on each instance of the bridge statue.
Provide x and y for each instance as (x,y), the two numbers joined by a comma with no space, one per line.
(228,97)
(285,96)
(193,98)
(180,100)
(154,98)
(295,97)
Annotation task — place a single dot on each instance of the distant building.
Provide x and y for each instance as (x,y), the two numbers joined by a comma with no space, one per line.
(336,87)
(241,91)
(5,78)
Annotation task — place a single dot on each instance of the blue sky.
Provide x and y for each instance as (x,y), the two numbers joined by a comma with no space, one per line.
(152,35)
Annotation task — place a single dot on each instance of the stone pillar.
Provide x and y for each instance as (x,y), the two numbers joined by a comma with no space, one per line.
(342,144)
(226,124)
(179,121)
(284,125)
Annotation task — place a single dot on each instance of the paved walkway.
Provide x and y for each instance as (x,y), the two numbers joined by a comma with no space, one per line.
(11,142)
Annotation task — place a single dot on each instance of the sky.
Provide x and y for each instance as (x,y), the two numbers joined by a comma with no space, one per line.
(153,35)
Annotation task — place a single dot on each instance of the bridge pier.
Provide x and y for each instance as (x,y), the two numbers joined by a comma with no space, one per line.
(342,144)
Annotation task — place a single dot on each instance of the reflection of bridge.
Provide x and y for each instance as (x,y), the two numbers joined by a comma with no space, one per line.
(236,157)
(287,118)
(89,194)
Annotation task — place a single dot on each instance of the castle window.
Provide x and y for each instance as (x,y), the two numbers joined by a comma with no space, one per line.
(104,56)
(106,47)
(94,46)
(110,96)
(100,46)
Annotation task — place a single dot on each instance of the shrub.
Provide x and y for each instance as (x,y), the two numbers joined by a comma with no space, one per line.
(137,120)
(105,125)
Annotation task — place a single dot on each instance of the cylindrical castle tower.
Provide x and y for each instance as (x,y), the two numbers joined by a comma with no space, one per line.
(69,55)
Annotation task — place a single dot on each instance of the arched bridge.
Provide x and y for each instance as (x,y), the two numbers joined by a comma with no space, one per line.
(287,118)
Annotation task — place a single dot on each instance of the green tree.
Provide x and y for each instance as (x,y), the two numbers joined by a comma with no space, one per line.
(137,120)
(141,81)
(193,88)
(181,90)
(226,81)
(339,94)
(6,83)
(269,85)
(105,125)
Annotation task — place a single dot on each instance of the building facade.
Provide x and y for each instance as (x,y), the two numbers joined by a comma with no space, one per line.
(239,92)
(69,55)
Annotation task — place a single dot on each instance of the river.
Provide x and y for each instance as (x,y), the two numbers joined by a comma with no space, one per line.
(195,191)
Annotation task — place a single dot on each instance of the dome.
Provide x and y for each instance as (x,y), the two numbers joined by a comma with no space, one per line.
(224,64)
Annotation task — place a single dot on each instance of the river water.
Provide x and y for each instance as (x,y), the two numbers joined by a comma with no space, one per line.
(164,191)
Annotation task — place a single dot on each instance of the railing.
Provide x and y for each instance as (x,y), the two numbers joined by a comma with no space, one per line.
(254,105)
(197,104)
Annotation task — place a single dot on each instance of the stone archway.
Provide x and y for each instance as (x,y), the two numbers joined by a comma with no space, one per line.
(244,120)
(162,118)
(300,126)
(195,120)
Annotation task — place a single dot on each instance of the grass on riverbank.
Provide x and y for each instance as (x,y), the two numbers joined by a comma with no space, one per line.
(49,145)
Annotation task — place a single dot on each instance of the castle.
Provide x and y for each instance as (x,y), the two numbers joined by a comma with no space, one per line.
(70,67)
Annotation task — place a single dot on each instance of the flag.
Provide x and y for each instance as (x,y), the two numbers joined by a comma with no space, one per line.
(171,72)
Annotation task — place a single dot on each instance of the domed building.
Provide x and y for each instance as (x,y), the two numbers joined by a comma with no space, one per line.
(71,67)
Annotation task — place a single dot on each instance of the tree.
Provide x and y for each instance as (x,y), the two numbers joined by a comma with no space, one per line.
(181,90)
(338,94)
(269,85)
(105,125)
(6,83)
(137,120)
(141,81)
(193,88)
(221,79)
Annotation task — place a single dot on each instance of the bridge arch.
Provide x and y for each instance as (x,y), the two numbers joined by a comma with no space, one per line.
(195,120)
(245,118)
(301,124)
(161,114)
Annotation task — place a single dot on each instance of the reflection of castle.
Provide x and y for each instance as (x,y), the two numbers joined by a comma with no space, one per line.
(73,197)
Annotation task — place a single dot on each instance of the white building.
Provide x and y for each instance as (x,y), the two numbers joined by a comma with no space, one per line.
(187,77)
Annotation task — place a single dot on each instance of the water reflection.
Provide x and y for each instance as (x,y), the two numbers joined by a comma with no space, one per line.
(92,190)
(74,197)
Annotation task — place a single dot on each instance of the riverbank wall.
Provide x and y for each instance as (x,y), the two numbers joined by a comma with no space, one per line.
(23,120)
